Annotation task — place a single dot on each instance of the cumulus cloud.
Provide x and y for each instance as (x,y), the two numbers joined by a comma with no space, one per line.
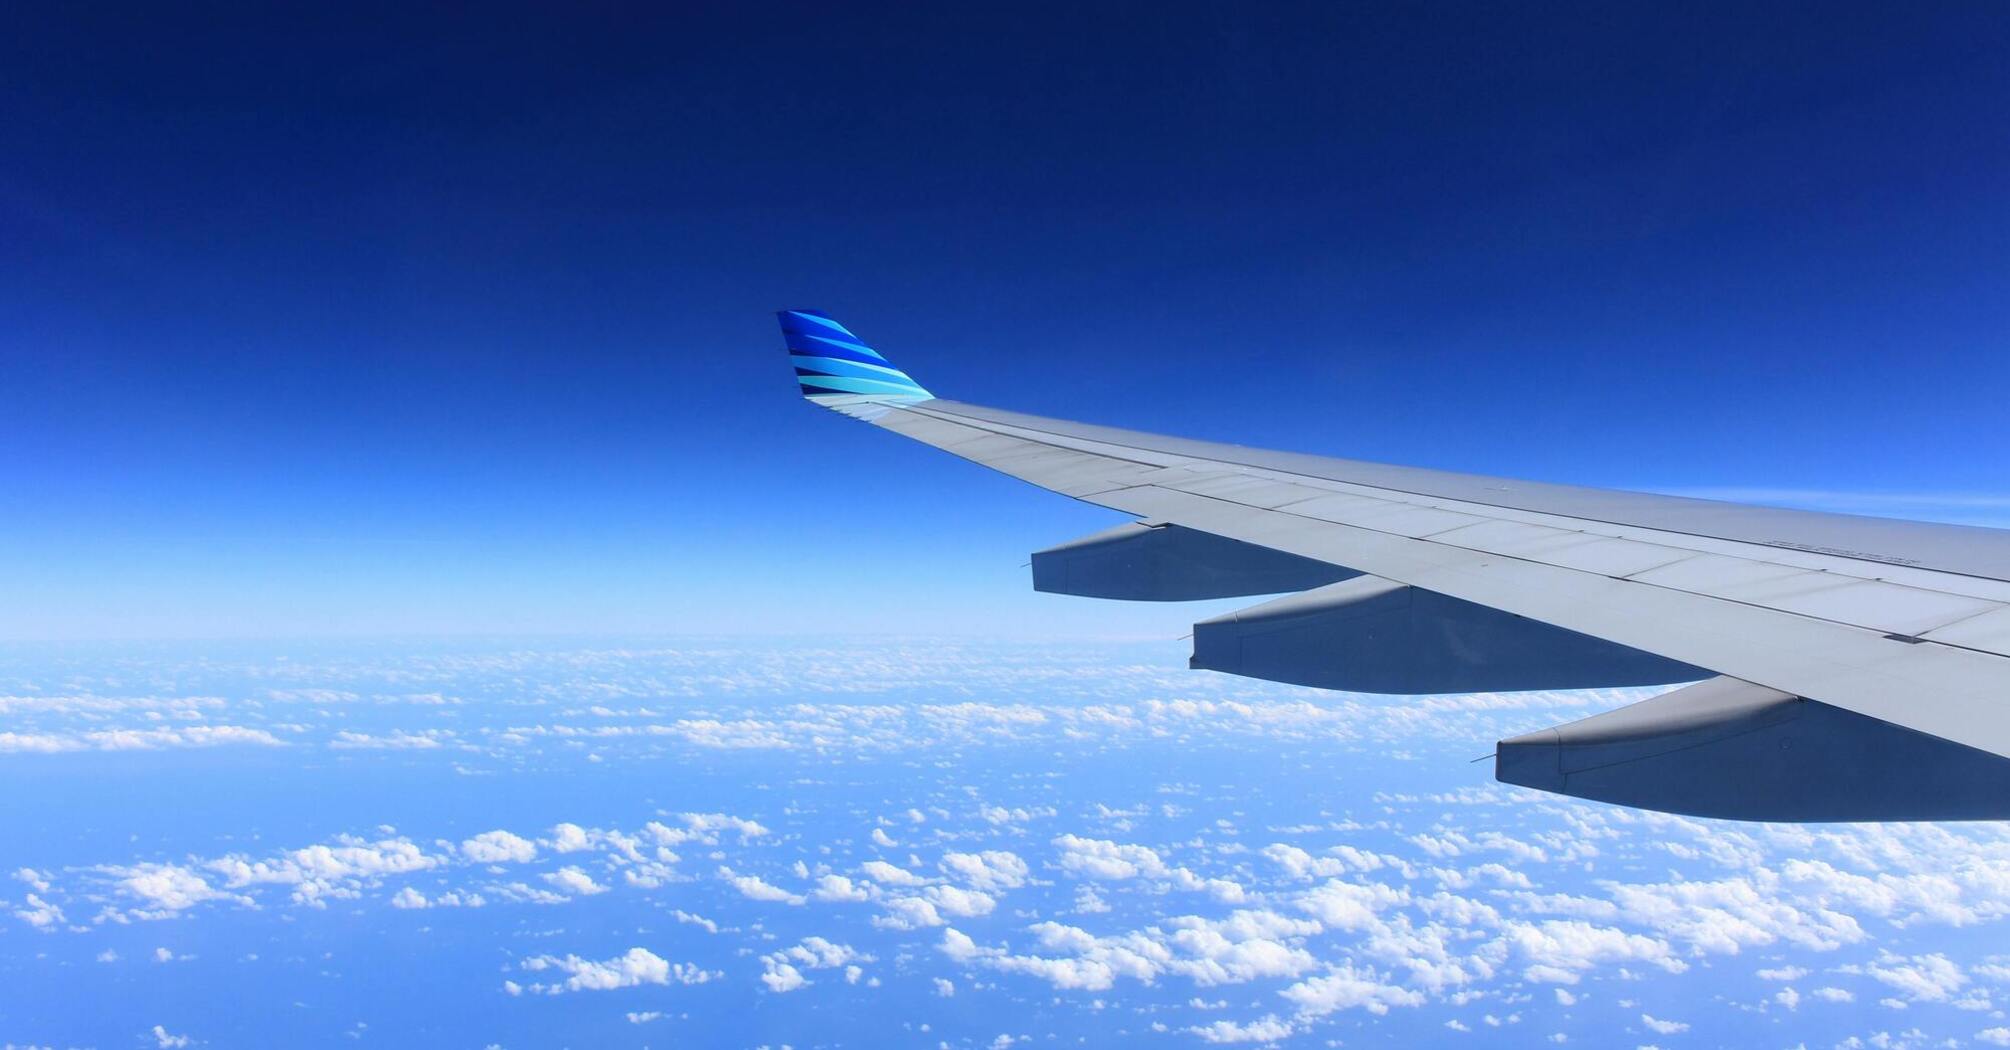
(1244,946)
(838,888)
(161,890)
(499,847)
(1919,978)
(39,913)
(887,874)
(782,971)
(753,887)
(1263,1030)
(574,881)
(1347,987)
(137,739)
(637,966)
(991,870)
(398,740)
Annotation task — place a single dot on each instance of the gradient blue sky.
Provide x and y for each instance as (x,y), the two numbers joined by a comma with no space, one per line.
(377,322)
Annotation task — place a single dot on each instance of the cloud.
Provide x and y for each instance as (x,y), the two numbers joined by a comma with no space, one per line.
(1347,987)
(39,913)
(166,1041)
(398,740)
(1244,946)
(570,838)
(574,881)
(1560,952)
(137,739)
(704,828)
(838,888)
(1264,1030)
(638,966)
(163,889)
(753,887)
(499,847)
(699,921)
(782,971)
(1920,978)
(1107,860)
(887,874)
(1114,862)
(991,870)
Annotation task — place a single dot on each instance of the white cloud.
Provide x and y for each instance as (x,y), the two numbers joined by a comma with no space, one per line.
(398,740)
(782,970)
(39,913)
(574,881)
(137,739)
(753,887)
(163,889)
(838,888)
(704,828)
(1107,860)
(887,874)
(781,977)
(1264,1030)
(1244,946)
(499,847)
(570,838)
(638,966)
(166,1041)
(1660,1027)
(1346,987)
(1920,978)
(991,870)
(699,921)
(908,913)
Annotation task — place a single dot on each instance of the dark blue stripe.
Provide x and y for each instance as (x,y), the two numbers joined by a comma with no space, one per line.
(814,349)
(792,323)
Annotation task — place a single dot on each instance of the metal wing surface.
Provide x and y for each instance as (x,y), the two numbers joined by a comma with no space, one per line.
(1846,668)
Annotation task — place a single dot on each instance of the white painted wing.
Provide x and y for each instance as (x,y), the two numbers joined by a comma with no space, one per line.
(1905,622)
(1898,632)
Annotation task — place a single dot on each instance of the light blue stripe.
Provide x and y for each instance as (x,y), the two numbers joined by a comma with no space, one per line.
(860,386)
(836,366)
(842,345)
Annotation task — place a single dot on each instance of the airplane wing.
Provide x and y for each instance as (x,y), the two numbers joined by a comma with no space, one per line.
(1843,667)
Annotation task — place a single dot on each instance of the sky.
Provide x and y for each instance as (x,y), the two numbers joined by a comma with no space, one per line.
(384,321)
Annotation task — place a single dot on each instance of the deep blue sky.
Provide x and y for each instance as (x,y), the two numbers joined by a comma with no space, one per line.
(387,323)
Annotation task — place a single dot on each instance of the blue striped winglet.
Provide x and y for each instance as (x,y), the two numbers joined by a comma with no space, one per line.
(836,368)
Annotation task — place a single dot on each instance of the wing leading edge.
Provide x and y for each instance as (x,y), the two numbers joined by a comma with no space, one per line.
(1876,653)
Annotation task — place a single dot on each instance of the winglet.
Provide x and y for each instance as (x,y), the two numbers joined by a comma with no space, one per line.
(837,369)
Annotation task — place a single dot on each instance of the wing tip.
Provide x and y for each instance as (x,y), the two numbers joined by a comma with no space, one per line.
(836,368)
